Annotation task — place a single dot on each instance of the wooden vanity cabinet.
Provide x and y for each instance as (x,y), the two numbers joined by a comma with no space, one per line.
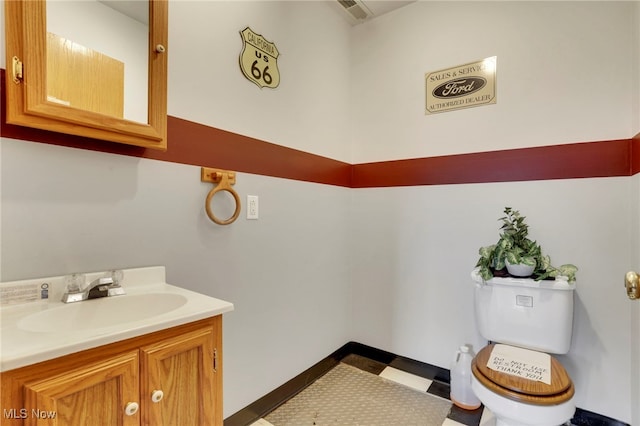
(174,376)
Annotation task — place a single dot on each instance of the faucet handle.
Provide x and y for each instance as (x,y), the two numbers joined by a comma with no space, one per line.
(75,282)
(116,275)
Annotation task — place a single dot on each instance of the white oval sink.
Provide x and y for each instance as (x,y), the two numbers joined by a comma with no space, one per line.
(100,313)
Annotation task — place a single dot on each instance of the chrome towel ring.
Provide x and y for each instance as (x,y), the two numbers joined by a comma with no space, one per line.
(224,180)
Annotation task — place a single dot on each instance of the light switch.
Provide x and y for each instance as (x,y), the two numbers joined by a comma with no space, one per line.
(252,207)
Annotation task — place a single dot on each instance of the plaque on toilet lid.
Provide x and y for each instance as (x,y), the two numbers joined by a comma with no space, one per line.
(520,362)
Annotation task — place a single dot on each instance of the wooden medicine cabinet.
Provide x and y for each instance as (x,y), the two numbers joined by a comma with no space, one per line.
(63,83)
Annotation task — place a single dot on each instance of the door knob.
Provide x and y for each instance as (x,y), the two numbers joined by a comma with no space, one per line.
(632,284)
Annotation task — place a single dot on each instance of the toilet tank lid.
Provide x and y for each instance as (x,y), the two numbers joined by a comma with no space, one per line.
(560,283)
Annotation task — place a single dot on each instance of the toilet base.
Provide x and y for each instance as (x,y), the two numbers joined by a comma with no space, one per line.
(512,413)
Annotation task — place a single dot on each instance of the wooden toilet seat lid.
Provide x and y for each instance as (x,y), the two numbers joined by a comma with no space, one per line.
(521,389)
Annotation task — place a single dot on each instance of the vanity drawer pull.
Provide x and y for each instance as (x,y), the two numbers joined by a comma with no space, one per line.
(157,396)
(131,408)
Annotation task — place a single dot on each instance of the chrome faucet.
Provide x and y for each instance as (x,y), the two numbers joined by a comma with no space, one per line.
(101,287)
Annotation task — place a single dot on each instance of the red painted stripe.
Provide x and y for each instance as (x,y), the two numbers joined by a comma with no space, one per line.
(199,145)
(580,160)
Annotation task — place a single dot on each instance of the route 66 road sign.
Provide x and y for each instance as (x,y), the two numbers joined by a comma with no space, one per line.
(259,60)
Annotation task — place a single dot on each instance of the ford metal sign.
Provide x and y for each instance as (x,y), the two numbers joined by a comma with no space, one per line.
(463,86)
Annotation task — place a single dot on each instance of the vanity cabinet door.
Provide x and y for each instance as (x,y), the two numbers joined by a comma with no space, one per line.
(103,393)
(181,381)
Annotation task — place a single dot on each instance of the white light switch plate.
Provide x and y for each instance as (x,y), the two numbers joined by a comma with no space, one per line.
(252,207)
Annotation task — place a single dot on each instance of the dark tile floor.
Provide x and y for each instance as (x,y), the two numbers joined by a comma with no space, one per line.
(423,377)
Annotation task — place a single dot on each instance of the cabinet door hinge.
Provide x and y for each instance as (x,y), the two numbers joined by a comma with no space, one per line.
(17,70)
(215,360)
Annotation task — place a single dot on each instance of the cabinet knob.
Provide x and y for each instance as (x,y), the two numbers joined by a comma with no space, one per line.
(157,396)
(131,408)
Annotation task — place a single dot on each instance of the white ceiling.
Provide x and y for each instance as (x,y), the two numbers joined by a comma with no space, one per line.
(138,9)
(380,7)
(373,8)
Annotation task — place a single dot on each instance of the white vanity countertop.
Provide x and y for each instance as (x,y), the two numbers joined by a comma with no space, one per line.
(24,340)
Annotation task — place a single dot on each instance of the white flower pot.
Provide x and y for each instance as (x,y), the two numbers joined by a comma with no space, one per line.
(520,269)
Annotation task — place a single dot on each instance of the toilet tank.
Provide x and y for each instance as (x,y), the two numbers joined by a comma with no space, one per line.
(522,312)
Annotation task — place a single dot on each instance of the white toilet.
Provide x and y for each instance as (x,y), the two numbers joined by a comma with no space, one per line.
(536,316)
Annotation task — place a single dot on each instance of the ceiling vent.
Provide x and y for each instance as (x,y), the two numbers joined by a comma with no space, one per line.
(356,9)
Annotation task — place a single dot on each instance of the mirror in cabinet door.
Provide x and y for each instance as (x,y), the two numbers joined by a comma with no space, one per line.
(93,68)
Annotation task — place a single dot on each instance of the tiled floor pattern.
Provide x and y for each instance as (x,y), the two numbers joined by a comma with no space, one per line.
(347,395)
(453,416)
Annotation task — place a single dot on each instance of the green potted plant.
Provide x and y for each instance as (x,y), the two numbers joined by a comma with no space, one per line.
(518,254)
